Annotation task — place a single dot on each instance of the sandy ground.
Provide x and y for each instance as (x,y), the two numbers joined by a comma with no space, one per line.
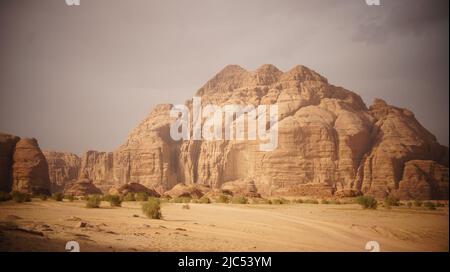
(48,225)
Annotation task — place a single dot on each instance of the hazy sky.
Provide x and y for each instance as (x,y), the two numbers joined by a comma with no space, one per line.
(82,77)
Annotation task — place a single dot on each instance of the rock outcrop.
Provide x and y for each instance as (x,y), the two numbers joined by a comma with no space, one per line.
(30,168)
(133,188)
(424,180)
(329,143)
(82,187)
(63,169)
(7,147)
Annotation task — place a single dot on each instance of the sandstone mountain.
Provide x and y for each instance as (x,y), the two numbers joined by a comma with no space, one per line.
(329,143)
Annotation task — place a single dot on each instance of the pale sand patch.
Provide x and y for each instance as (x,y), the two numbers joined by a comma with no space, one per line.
(221,227)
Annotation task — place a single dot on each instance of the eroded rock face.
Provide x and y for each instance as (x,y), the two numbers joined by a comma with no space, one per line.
(329,142)
(63,169)
(7,146)
(397,137)
(30,168)
(424,180)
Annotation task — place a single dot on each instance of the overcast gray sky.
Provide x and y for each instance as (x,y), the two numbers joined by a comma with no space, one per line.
(82,77)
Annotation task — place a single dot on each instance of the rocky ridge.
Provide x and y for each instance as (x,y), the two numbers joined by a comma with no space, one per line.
(329,144)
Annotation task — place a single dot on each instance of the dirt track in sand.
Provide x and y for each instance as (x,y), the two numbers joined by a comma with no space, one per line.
(220,227)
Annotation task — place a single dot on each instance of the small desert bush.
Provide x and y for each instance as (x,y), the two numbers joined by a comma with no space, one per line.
(186,207)
(204,200)
(20,197)
(4,196)
(93,202)
(152,208)
(129,197)
(70,198)
(298,201)
(409,204)
(417,203)
(115,201)
(279,201)
(429,205)
(107,197)
(58,196)
(142,196)
(324,201)
(183,199)
(391,201)
(223,199)
(239,200)
(367,202)
(335,202)
(261,201)
(43,197)
(311,201)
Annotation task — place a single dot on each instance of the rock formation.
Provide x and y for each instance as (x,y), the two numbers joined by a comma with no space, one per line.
(82,187)
(7,147)
(63,169)
(30,168)
(133,188)
(424,180)
(329,143)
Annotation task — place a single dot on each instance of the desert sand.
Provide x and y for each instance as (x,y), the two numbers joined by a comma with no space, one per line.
(49,225)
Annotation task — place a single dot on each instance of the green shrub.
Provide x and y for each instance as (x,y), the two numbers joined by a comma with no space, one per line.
(324,201)
(152,208)
(4,196)
(367,202)
(93,202)
(142,196)
(58,196)
(298,201)
(115,201)
(70,198)
(418,203)
(205,200)
(429,205)
(239,200)
(223,199)
(194,200)
(20,197)
(311,201)
(129,197)
(391,201)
